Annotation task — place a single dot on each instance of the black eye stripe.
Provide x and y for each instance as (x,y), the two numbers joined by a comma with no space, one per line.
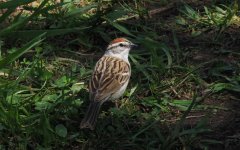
(122,45)
(126,45)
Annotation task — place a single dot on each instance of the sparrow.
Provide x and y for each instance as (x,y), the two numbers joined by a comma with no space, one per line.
(109,79)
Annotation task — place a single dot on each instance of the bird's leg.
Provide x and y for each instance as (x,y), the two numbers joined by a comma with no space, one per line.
(117,103)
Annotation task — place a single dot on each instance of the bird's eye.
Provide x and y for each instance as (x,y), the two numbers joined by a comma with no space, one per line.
(121,45)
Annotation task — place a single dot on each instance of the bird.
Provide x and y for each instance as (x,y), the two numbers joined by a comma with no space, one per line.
(109,79)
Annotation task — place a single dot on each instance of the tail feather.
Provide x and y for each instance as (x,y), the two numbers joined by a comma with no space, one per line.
(90,118)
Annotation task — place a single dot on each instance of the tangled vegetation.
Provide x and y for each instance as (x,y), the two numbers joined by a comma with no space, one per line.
(184,89)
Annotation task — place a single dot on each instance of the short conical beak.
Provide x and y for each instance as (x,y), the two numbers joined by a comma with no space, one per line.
(134,45)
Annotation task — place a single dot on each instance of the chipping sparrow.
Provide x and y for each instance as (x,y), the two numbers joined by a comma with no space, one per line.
(109,79)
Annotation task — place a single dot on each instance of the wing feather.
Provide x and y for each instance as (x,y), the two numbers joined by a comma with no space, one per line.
(109,75)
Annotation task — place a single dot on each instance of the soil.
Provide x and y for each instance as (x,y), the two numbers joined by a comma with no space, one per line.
(224,122)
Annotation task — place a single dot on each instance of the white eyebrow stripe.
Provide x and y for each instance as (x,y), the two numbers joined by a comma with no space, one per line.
(116,44)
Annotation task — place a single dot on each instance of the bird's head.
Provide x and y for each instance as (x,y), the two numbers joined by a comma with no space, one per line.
(120,46)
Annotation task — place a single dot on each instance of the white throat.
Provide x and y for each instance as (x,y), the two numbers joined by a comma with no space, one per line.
(123,55)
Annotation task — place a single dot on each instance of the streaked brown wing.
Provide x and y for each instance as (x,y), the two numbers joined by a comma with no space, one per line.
(108,77)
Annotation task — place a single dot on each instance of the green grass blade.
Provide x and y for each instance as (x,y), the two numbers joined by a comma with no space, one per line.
(14,3)
(167,53)
(141,69)
(119,27)
(79,11)
(13,56)
(28,34)
(21,23)
(6,14)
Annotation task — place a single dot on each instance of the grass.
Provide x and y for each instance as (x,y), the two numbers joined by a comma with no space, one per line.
(180,80)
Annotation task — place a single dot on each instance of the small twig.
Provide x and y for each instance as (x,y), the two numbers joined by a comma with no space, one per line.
(175,92)
(166,8)
(188,117)
(162,9)
(67,59)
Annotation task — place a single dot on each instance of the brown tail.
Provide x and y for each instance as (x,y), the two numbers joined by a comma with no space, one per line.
(90,118)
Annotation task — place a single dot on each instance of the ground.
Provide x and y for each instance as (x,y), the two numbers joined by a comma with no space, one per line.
(183,93)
